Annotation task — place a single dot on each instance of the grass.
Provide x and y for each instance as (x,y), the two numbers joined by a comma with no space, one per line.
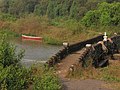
(9,33)
(109,74)
(52,41)
(61,30)
(55,31)
(7,17)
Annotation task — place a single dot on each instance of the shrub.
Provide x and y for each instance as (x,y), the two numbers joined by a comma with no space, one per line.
(74,26)
(9,33)
(91,18)
(47,82)
(12,75)
(52,41)
(8,54)
(7,17)
(106,15)
(14,78)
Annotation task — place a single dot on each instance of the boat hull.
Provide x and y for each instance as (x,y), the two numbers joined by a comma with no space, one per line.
(24,37)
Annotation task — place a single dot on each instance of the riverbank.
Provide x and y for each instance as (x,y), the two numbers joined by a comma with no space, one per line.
(54,31)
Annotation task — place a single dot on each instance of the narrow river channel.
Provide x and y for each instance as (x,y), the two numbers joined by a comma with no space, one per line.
(35,52)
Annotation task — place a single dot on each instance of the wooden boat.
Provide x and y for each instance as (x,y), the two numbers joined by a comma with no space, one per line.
(25,37)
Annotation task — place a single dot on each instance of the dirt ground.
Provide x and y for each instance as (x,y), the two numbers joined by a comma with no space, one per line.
(88,84)
(76,84)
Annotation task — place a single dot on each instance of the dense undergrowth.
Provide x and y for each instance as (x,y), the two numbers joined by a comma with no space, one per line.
(13,76)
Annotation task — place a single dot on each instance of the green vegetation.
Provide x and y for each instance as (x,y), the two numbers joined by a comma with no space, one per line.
(13,76)
(9,33)
(109,74)
(47,82)
(51,8)
(106,15)
(56,21)
(52,41)
(7,53)
(7,17)
(60,21)
(45,79)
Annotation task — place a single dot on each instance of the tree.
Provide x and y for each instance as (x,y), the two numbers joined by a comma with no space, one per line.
(20,7)
(91,18)
(30,5)
(111,1)
(110,13)
(41,8)
(4,5)
(16,7)
(51,9)
(107,14)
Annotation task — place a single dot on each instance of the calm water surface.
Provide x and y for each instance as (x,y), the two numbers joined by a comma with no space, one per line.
(35,51)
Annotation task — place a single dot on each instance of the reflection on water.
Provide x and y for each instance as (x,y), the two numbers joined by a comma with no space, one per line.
(35,51)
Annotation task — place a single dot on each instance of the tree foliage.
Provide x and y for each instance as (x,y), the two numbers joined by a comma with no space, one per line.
(52,8)
(106,14)
(8,54)
(13,76)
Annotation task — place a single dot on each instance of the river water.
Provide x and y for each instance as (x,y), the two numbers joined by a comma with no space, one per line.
(35,52)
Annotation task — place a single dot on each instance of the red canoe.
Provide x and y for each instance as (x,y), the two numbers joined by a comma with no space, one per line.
(31,37)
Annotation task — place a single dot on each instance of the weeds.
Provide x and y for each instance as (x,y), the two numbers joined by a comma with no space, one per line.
(55,31)
(109,74)
(9,33)
(44,79)
(52,41)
